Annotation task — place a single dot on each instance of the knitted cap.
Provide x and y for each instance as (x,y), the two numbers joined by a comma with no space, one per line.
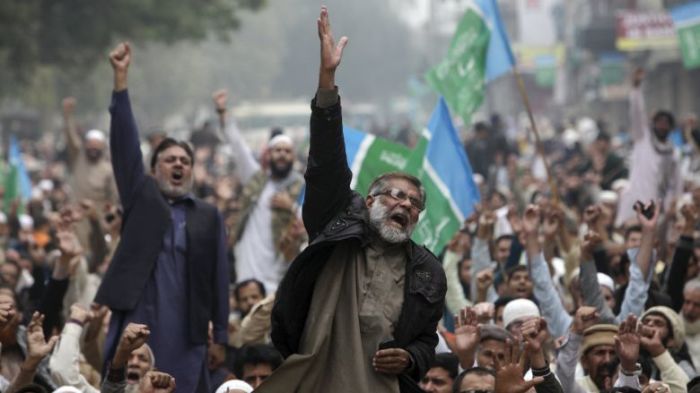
(601,334)
(677,327)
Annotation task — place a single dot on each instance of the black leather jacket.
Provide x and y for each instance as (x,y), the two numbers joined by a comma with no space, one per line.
(333,214)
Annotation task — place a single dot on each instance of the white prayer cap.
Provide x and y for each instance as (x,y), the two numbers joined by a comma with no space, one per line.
(95,135)
(46,185)
(606,281)
(3,218)
(280,139)
(67,389)
(620,185)
(478,179)
(518,309)
(26,222)
(233,385)
(608,196)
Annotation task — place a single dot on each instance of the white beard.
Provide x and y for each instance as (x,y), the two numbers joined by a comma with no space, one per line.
(378,217)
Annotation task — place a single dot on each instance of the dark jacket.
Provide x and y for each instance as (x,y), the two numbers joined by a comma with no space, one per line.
(334,214)
(146,219)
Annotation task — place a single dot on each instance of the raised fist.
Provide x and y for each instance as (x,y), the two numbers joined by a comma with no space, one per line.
(120,57)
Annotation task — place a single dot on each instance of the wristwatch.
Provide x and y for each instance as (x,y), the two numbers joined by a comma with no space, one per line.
(634,373)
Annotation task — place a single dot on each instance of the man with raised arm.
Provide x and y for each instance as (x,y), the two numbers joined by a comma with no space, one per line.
(358,309)
(268,207)
(169,271)
(655,172)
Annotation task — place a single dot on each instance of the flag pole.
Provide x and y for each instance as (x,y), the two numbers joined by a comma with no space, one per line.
(538,140)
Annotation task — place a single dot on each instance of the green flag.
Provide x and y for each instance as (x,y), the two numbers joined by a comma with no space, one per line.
(460,76)
(686,19)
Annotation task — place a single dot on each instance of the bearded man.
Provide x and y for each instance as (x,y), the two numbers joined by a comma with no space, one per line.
(358,309)
(268,207)
(169,271)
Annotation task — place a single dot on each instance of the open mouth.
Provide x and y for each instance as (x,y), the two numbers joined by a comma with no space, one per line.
(132,377)
(400,219)
(177,176)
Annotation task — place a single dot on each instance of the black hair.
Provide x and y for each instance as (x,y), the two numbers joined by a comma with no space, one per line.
(503,237)
(244,283)
(480,371)
(256,354)
(447,361)
(668,115)
(515,269)
(632,228)
(167,143)
(502,301)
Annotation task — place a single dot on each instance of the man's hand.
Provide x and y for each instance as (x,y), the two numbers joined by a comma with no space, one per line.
(220,98)
(282,200)
(330,52)
(467,336)
(650,340)
(514,219)
(134,336)
(690,218)
(391,361)
(68,106)
(487,222)
(509,374)
(591,241)
(37,347)
(7,313)
(98,313)
(120,58)
(534,333)
(553,223)
(460,243)
(80,314)
(484,312)
(484,280)
(531,220)
(648,223)
(585,317)
(157,382)
(89,209)
(70,249)
(627,343)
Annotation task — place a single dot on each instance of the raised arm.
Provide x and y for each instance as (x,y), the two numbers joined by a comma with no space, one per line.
(246,164)
(127,160)
(543,287)
(70,129)
(327,174)
(64,362)
(638,113)
(681,257)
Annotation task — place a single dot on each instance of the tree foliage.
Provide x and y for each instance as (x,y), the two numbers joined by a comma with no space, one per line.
(74,34)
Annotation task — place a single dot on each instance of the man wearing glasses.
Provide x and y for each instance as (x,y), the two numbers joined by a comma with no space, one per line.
(358,309)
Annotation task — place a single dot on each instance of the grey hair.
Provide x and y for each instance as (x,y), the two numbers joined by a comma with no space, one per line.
(692,285)
(380,183)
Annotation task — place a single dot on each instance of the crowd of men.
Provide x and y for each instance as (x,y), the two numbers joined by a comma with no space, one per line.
(142,263)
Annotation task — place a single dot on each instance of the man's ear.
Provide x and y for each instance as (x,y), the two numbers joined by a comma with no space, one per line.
(369,201)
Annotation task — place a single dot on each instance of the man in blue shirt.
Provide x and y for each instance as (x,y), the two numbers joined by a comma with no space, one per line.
(169,271)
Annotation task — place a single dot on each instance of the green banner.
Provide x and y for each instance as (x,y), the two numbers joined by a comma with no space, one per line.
(689,39)
(460,76)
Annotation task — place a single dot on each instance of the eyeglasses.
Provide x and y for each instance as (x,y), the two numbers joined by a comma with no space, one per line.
(401,196)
